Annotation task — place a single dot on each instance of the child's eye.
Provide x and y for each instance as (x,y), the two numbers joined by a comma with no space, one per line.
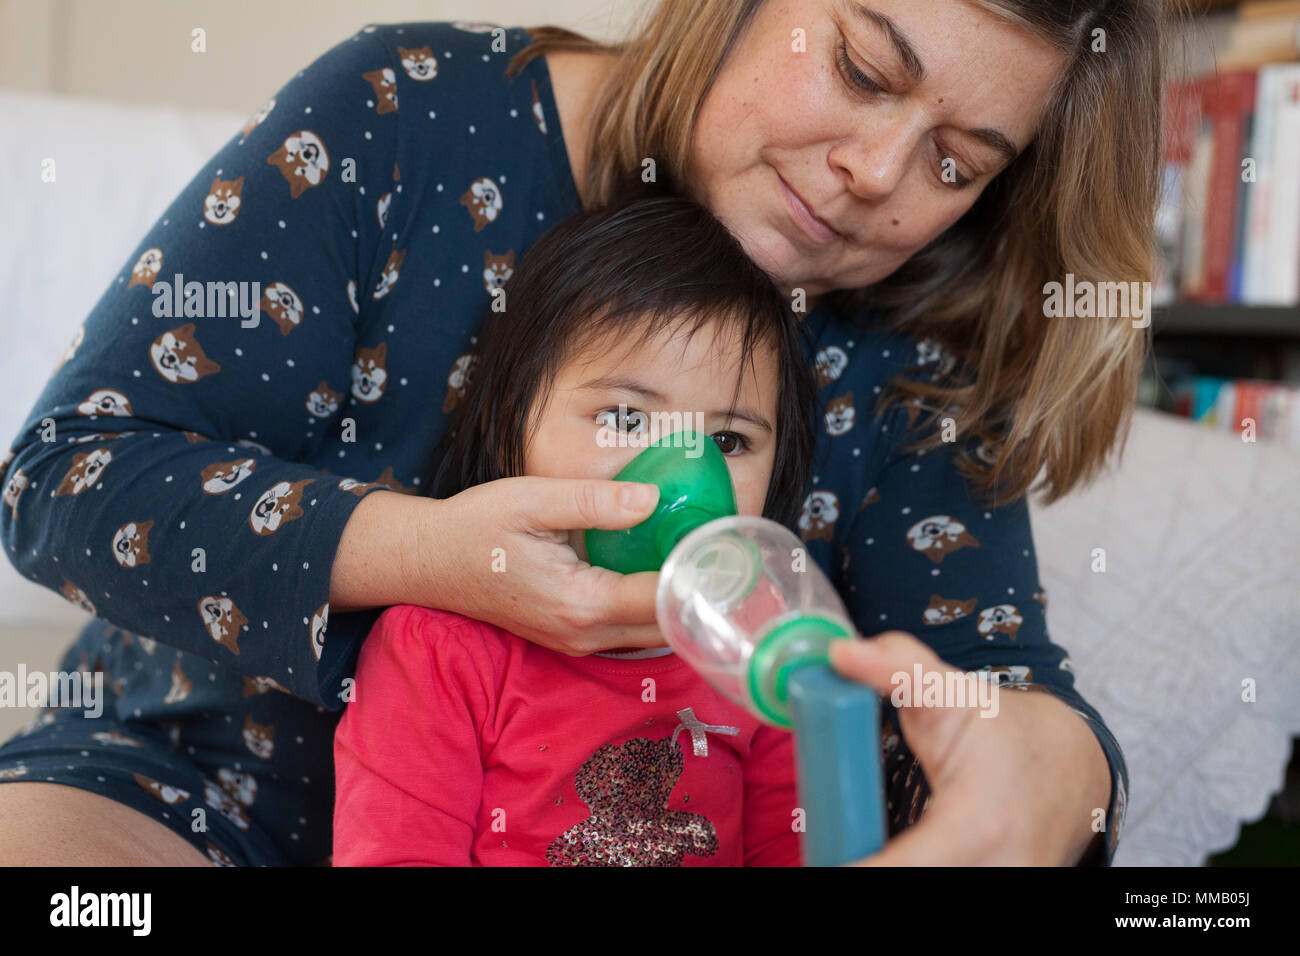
(632,422)
(731,443)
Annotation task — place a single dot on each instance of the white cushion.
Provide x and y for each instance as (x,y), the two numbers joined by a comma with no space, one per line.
(1201,593)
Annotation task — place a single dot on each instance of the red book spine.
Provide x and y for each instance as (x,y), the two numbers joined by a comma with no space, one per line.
(1248,406)
(1229,99)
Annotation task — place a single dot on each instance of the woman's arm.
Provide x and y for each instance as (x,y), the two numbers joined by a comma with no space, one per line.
(157,480)
(924,557)
(1021,788)
(167,492)
(494,553)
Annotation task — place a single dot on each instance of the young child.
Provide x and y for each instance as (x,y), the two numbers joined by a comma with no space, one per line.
(466,744)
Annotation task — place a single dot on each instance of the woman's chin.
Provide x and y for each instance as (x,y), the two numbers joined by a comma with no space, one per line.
(777,256)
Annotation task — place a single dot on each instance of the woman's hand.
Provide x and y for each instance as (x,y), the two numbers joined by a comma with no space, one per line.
(498,552)
(1019,788)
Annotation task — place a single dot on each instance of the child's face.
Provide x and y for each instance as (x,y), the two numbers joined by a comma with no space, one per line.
(571,437)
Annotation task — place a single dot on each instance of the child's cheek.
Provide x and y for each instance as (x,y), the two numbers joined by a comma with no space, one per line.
(750,481)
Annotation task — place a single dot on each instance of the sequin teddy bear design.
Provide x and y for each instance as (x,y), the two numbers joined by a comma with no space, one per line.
(626,786)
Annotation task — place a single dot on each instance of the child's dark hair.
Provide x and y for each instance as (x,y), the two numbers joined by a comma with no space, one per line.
(642,264)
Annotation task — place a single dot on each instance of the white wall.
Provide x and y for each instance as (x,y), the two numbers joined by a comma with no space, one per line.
(139,51)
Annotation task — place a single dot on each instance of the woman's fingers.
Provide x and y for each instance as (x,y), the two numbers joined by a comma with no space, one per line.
(534,585)
(549,504)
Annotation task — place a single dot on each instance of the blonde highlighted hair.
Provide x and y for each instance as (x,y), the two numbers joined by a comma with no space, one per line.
(1049,396)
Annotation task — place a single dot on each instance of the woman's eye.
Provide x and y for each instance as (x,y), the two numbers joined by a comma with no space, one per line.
(853,73)
(950,175)
(730,443)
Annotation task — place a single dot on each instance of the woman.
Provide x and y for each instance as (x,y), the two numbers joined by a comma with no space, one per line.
(939,165)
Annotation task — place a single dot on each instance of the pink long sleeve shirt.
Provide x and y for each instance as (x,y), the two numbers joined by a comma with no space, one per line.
(465,744)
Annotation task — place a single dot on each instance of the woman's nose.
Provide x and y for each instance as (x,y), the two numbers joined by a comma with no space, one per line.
(873,159)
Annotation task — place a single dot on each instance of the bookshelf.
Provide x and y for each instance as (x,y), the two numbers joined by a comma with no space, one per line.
(1188,319)
(1206,335)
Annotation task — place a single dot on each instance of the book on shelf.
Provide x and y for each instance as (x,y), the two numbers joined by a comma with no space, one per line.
(1228,227)
(1270,409)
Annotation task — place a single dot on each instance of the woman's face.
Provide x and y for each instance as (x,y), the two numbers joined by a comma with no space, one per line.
(611,399)
(836,164)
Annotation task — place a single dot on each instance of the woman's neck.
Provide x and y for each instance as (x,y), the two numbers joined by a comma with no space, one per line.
(575,80)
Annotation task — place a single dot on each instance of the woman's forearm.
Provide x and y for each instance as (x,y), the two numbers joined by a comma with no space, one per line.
(1066,749)
(379,559)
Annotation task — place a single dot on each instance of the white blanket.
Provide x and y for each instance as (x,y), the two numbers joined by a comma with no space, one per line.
(1199,605)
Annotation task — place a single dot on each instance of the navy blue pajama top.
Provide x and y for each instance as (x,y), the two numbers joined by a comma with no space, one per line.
(204,466)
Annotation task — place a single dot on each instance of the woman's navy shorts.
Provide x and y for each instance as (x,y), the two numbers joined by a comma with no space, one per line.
(248,785)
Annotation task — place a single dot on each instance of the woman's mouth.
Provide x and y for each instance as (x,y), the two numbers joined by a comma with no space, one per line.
(814,228)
